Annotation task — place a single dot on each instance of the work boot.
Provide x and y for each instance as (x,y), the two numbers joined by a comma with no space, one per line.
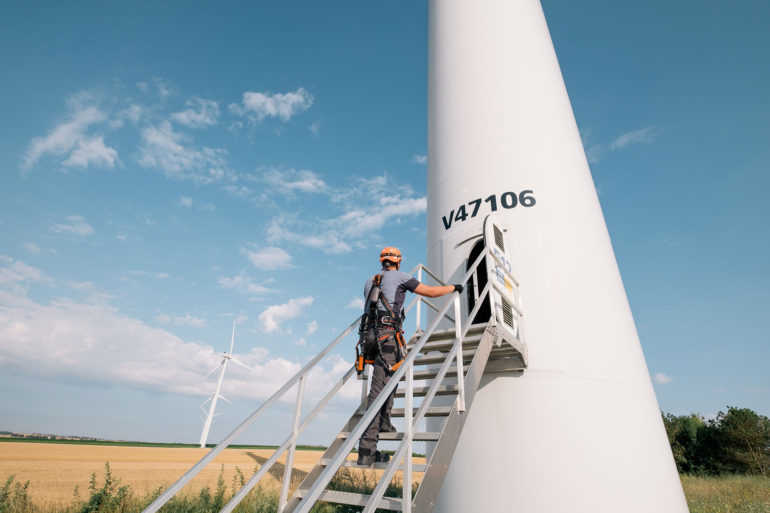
(365,458)
(381,457)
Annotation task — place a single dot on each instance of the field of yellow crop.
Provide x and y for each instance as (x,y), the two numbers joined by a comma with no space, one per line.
(54,471)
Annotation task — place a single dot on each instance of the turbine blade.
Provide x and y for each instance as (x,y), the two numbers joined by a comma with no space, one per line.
(232,338)
(238,362)
(213,371)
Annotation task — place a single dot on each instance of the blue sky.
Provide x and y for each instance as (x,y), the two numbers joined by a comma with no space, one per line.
(167,169)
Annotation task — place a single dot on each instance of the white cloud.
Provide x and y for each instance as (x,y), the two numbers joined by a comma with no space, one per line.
(165,149)
(71,135)
(292,180)
(356,303)
(96,343)
(76,225)
(661,379)
(258,106)
(301,342)
(31,247)
(201,113)
(15,271)
(184,320)
(643,135)
(420,159)
(148,274)
(92,151)
(312,327)
(243,284)
(368,204)
(273,316)
(328,241)
(269,258)
(315,127)
(185,201)
(121,236)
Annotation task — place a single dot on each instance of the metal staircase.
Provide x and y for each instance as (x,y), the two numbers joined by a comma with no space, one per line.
(425,384)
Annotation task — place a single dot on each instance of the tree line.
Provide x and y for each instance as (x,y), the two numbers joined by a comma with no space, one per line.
(734,442)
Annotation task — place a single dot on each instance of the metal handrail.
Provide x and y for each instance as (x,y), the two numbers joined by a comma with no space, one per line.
(390,470)
(320,484)
(155,505)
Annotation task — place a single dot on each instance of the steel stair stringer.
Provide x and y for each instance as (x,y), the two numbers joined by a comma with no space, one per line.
(441,458)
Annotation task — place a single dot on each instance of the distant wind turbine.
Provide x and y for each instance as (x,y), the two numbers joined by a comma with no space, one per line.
(226,358)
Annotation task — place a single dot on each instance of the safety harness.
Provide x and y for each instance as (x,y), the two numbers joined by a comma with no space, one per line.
(375,328)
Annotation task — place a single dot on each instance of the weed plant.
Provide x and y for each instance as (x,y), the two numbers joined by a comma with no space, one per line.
(112,497)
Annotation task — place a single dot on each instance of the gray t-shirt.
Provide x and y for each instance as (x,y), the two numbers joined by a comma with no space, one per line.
(394,286)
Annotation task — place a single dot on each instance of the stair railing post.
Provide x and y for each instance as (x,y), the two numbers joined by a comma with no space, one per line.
(419,304)
(459,356)
(286,482)
(406,500)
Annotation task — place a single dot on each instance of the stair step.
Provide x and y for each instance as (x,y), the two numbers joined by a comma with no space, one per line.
(423,391)
(377,466)
(430,373)
(445,344)
(355,499)
(433,411)
(418,436)
(476,329)
(468,354)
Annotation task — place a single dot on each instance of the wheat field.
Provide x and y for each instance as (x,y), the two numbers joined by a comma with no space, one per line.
(55,470)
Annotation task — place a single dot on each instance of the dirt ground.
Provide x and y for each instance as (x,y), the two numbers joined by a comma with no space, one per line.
(54,470)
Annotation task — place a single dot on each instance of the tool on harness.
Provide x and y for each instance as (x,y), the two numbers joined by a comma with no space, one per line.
(375,328)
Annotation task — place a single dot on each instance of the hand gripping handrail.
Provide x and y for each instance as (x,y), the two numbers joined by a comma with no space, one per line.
(320,484)
(201,464)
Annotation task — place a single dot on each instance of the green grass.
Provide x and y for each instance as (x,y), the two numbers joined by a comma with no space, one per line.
(150,444)
(107,495)
(727,494)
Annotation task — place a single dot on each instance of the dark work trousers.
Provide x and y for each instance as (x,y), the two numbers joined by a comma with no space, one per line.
(389,349)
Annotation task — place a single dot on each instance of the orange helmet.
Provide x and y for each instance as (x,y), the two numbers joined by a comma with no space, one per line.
(391,254)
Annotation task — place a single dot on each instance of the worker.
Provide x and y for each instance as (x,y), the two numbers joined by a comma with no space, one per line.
(384,296)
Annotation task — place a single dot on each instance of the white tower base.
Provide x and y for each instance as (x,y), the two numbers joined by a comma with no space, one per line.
(580,431)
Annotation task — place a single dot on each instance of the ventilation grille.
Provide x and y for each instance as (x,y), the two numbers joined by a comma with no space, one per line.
(507,313)
(498,238)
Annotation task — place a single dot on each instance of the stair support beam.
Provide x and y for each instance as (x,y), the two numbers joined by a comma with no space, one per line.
(438,466)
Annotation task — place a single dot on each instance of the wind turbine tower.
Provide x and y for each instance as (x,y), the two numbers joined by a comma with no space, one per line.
(580,429)
(226,358)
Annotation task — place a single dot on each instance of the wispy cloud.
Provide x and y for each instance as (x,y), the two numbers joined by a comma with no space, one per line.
(315,128)
(260,105)
(269,258)
(367,204)
(75,225)
(31,247)
(243,284)
(327,241)
(643,135)
(200,113)
(293,180)
(312,327)
(185,201)
(272,318)
(420,159)
(15,271)
(183,320)
(70,138)
(661,379)
(165,149)
(595,152)
(356,303)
